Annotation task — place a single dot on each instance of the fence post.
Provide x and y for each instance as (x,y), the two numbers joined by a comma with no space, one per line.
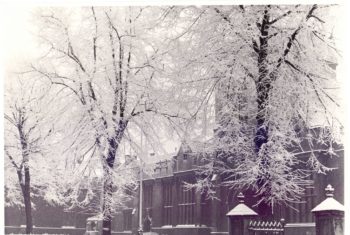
(329,215)
(239,217)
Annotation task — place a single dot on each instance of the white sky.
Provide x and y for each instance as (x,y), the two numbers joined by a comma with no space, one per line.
(16,34)
(16,21)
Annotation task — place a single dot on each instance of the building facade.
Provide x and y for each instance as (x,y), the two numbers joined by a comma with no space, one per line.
(173,208)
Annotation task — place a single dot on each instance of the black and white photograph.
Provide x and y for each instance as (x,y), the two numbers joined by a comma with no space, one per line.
(198,118)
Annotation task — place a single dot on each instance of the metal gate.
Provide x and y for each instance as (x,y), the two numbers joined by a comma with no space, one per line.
(260,227)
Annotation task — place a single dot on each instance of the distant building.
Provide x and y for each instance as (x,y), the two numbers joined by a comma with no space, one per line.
(172,207)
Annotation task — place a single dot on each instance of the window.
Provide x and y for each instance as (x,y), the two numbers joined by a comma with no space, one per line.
(127,219)
(186,206)
(185,156)
(69,218)
(205,217)
(147,199)
(167,203)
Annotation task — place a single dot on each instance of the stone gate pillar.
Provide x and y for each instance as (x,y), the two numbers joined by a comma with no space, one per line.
(329,215)
(239,217)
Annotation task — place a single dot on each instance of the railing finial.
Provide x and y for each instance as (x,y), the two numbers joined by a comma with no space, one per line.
(240,197)
(329,191)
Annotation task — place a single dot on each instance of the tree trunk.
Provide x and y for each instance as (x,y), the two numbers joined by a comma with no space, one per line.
(25,187)
(106,207)
(261,137)
(107,226)
(113,144)
(263,87)
(27,201)
(108,187)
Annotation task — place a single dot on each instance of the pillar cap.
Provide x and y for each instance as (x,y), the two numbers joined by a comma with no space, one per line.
(241,209)
(329,204)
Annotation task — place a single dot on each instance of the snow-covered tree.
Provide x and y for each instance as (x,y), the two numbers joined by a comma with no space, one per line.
(272,72)
(110,64)
(28,138)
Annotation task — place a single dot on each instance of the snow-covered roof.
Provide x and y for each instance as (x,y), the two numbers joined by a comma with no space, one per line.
(241,209)
(330,204)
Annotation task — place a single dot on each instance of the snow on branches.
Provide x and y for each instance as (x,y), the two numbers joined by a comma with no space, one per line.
(270,66)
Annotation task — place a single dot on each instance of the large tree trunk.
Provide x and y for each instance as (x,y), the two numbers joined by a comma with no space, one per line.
(109,161)
(106,207)
(108,187)
(261,137)
(263,87)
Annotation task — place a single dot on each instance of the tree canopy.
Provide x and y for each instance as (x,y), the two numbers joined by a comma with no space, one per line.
(273,70)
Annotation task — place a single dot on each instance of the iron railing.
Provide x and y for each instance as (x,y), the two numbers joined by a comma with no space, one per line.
(260,227)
